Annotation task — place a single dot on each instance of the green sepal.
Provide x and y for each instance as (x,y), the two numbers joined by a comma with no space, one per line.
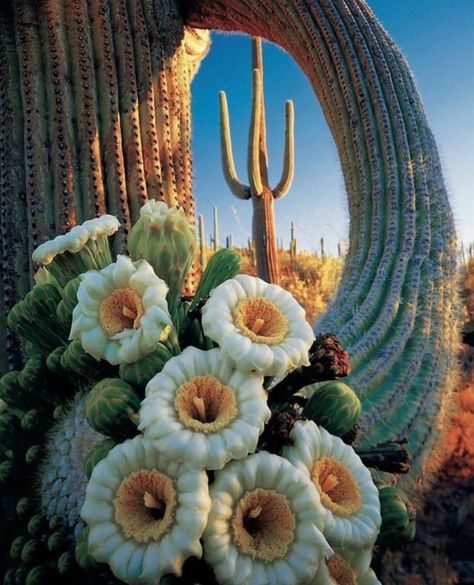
(33,372)
(223,264)
(65,562)
(34,319)
(141,372)
(68,302)
(17,546)
(32,551)
(77,360)
(112,408)
(33,454)
(398,518)
(31,420)
(7,472)
(56,522)
(81,552)
(24,506)
(9,387)
(10,578)
(57,541)
(21,573)
(40,575)
(37,524)
(334,406)
(96,454)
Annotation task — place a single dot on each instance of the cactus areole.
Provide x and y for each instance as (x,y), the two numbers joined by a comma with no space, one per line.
(95,118)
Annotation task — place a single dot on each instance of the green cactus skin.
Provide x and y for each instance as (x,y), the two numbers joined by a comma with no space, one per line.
(398,518)
(334,406)
(111,408)
(396,308)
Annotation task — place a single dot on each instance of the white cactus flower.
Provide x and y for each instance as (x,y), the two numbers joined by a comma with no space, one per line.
(74,240)
(265,524)
(346,567)
(344,484)
(259,325)
(122,313)
(145,514)
(202,411)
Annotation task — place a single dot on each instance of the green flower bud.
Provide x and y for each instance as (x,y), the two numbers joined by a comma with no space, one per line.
(334,406)
(40,575)
(57,541)
(112,408)
(163,236)
(31,551)
(33,454)
(30,420)
(96,454)
(24,506)
(141,372)
(7,469)
(398,518)
(65,563)
(37,525)
(17,546)
(56,522)
(81,552)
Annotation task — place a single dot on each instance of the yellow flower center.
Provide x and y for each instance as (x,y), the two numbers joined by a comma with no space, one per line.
(144,505)
(204,404)
(261,321)
(263,524)
(340,571)
(120,310)
(337,487)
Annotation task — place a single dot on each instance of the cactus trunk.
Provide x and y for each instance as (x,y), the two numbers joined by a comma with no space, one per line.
(264,236)
(94,118)
(396,306)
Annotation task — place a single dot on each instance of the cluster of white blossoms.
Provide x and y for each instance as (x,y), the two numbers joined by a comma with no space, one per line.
(194,482)
(309,516)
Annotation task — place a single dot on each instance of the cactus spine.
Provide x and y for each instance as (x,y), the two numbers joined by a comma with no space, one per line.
(263,228)
(396,306)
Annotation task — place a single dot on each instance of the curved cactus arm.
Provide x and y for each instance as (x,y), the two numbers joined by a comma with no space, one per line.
(240,190)
(288,171)
(254,169)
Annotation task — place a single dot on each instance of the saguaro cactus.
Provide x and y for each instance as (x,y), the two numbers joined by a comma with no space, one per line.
(259,191)
(75,142)
(395,310)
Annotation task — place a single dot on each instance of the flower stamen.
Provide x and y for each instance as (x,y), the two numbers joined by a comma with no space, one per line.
(261,321)
(144,505)
(337,487)
(200,408)
(204,404)
(263,524)
(122,309)
(340,571)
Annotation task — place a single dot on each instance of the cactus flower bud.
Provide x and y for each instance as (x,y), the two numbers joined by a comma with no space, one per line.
(398,518)
(162,236)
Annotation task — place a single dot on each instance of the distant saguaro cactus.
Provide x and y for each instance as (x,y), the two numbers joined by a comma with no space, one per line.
(259,191)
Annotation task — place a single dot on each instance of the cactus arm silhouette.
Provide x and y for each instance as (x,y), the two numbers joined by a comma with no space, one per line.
(283,185)
(240,190)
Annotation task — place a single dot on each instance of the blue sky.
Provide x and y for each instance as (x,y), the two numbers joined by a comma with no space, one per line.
(436,36)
